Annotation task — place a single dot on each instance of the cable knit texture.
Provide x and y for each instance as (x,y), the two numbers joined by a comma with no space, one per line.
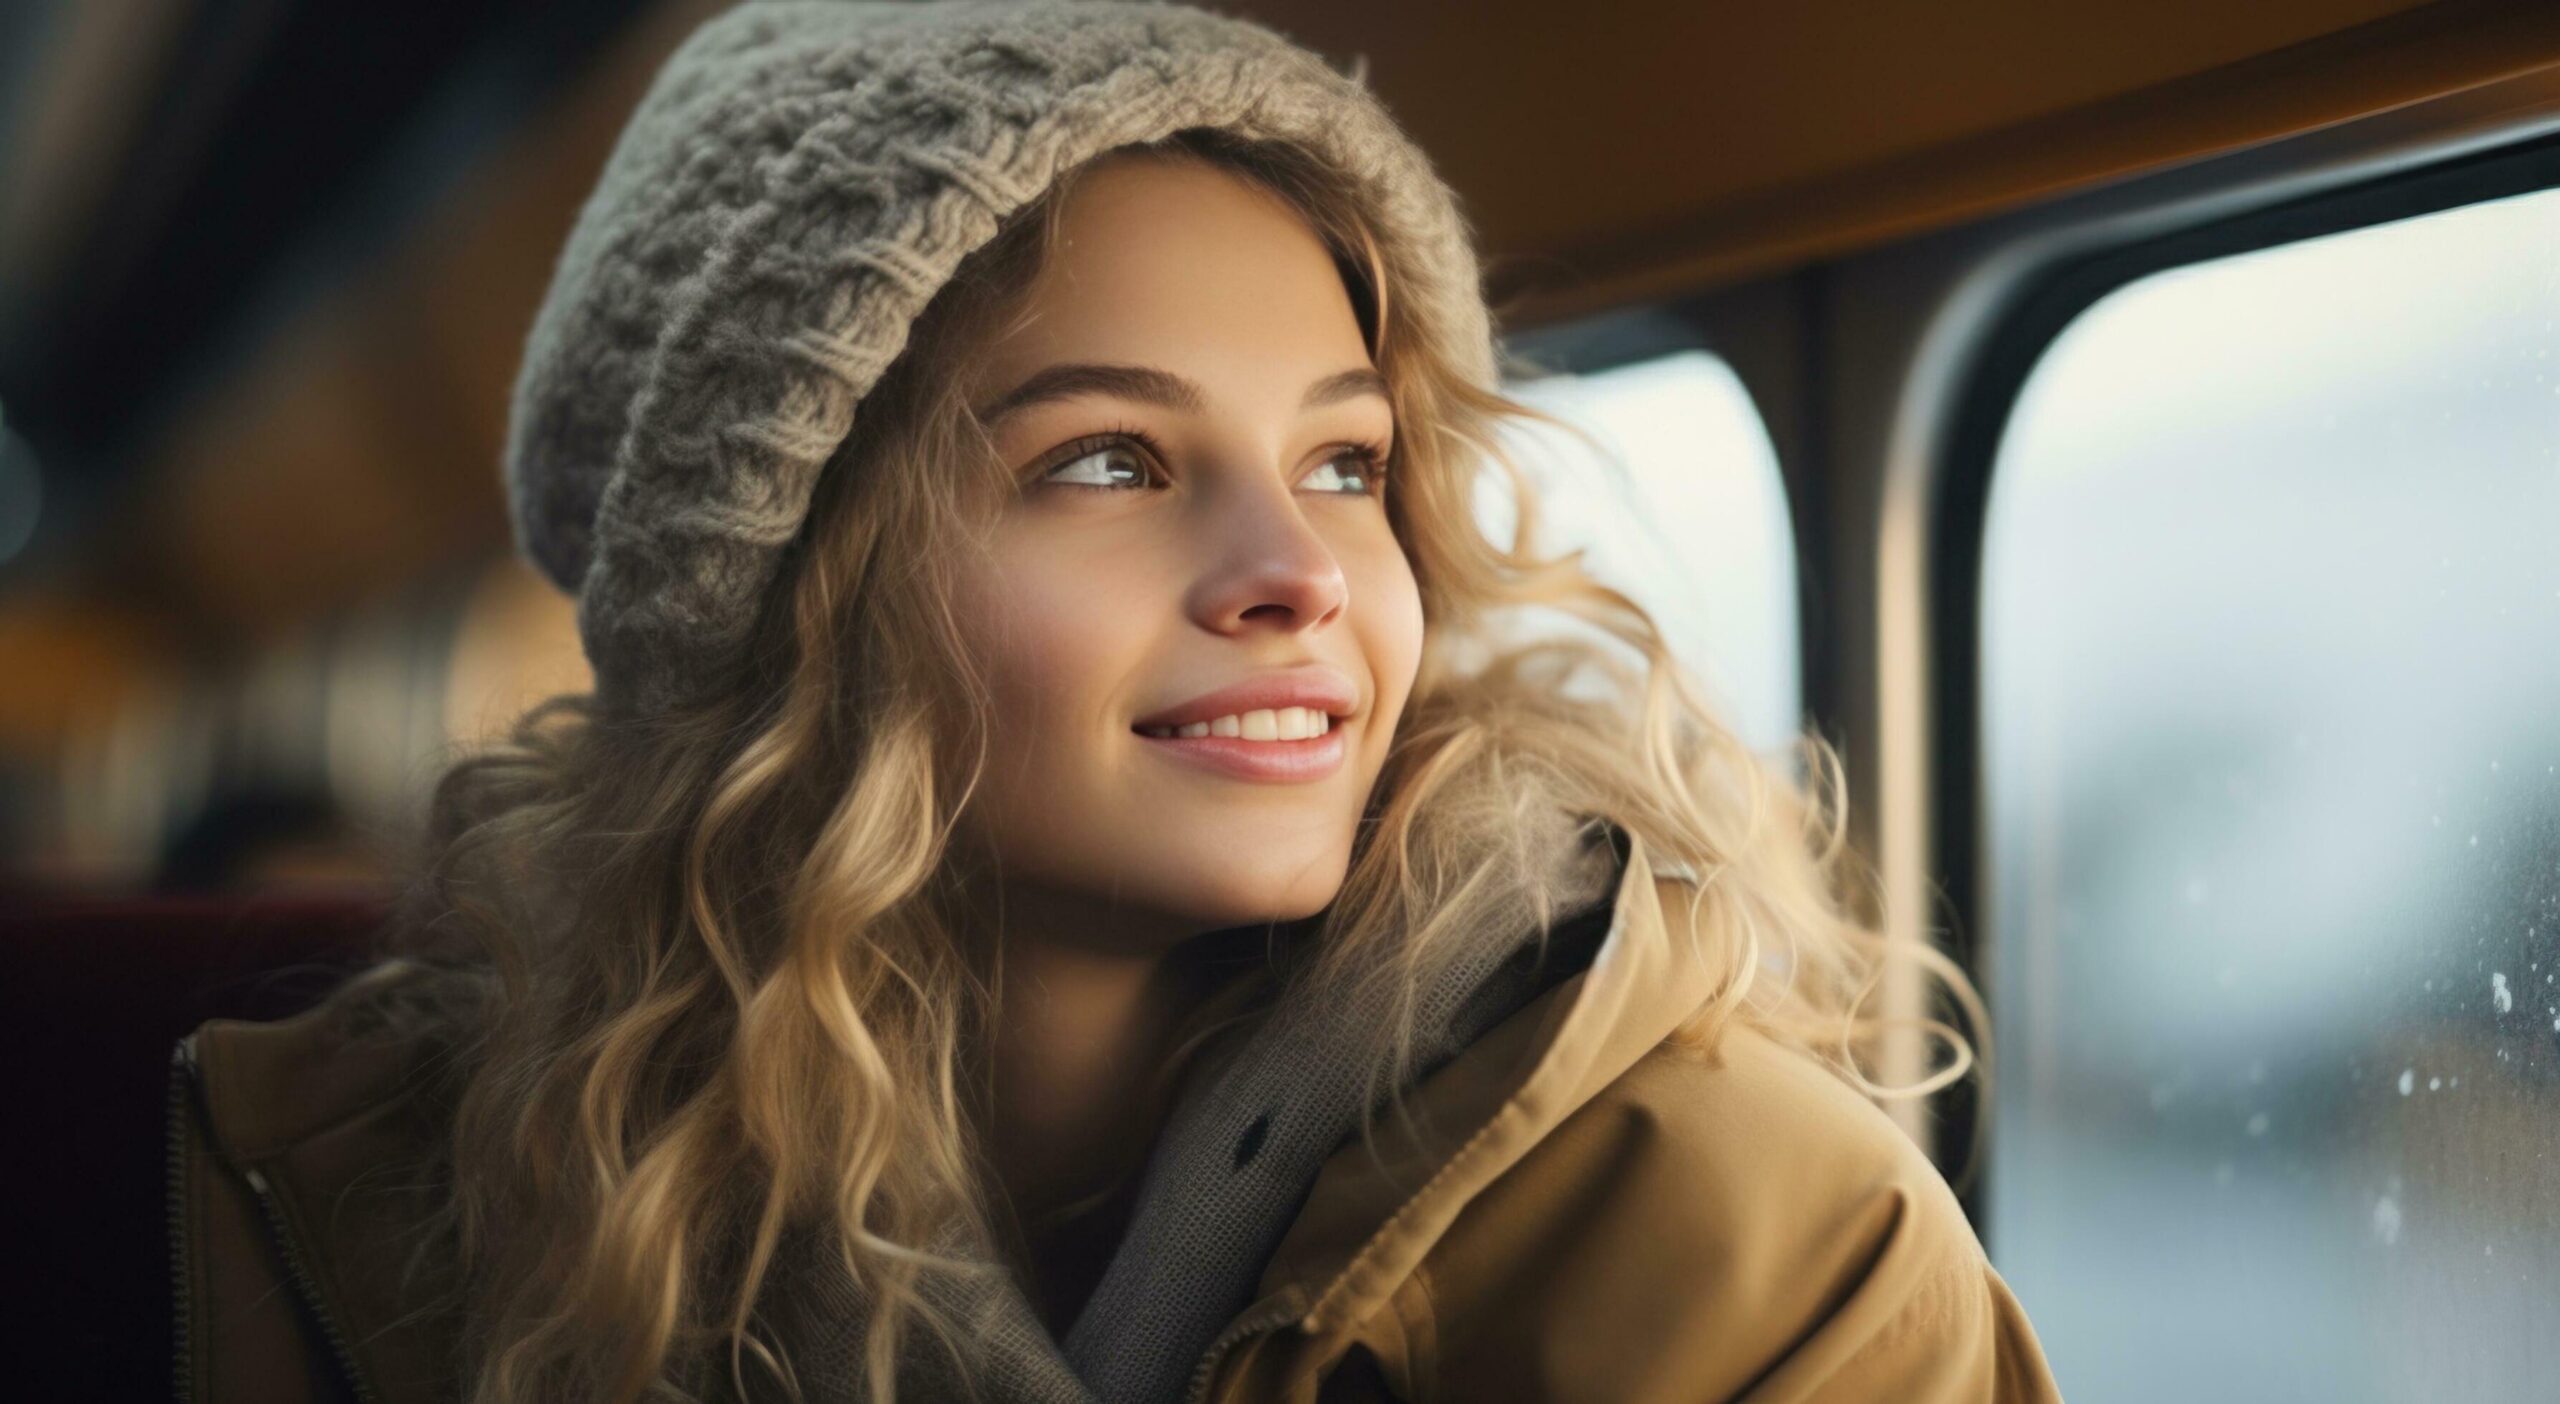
(800,179)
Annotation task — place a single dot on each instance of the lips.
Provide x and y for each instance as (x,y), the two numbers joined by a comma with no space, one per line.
(1315,687)
(1281,762)
(1323,689)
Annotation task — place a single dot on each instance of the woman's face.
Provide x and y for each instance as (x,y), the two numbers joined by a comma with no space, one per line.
(1248,543)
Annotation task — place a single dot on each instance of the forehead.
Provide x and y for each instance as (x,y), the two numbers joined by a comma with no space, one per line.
(1160,258)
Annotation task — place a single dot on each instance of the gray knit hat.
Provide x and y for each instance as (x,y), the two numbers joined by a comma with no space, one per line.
(800,179)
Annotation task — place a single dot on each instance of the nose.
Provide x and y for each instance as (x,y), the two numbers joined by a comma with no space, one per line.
(1268,567)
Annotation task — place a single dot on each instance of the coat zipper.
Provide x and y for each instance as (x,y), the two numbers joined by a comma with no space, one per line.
(309,1285)
(297,1267)
(1282,1310)
(181,1077)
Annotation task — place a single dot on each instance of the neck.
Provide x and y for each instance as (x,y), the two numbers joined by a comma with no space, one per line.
(1087,1005)
(1073,1093)
(1081,1037)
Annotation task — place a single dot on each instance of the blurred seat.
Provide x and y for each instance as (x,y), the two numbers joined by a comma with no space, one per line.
(94,993)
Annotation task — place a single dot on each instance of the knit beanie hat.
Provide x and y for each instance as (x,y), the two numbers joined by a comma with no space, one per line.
(799,180)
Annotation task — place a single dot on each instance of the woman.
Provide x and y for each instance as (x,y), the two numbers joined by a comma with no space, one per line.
(1055,895)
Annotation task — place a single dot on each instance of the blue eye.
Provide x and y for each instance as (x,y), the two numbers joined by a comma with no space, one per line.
(1369,467)
(1104,453)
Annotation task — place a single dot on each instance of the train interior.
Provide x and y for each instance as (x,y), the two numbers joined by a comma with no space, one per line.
(2129,432)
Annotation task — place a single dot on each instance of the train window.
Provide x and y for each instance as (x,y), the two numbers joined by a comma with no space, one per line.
(1684,512)
(2271,631)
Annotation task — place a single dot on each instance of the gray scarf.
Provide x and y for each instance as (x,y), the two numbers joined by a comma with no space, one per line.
(1238,1155)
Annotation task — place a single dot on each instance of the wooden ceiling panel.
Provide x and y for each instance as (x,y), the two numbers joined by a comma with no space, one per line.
(1618,152)
(1565,121)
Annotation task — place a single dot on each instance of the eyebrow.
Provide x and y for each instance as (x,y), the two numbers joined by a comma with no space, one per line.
(1148,385)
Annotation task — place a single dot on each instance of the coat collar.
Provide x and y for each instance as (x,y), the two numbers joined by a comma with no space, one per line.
(1372,1218)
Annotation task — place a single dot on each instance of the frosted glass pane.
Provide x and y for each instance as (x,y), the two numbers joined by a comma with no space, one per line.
(1687,515)
(2272,727)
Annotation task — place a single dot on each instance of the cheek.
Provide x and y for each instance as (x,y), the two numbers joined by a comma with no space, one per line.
(1047,636)
(1389,621)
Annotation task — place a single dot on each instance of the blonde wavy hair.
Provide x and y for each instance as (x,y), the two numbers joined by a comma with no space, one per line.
(692,981)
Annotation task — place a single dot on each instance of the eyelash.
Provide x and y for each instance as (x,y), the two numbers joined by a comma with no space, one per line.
(1371,456)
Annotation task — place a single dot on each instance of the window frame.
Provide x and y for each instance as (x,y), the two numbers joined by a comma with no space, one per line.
(2008,354)
(1875,372)
(1756,332)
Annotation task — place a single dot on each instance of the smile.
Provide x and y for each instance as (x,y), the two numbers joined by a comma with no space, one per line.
(1268,724)
(1255,746)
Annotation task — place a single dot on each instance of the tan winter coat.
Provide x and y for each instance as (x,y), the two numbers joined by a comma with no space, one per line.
(1603,1218)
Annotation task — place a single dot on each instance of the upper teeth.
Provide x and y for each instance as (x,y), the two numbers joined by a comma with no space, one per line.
(1269,724)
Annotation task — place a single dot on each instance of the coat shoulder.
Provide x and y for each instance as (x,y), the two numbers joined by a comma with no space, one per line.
(1783,1144)
(297,1146)
(1735,1224)
(267,1086)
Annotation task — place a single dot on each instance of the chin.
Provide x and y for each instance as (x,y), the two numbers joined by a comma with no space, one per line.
(1252,891)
